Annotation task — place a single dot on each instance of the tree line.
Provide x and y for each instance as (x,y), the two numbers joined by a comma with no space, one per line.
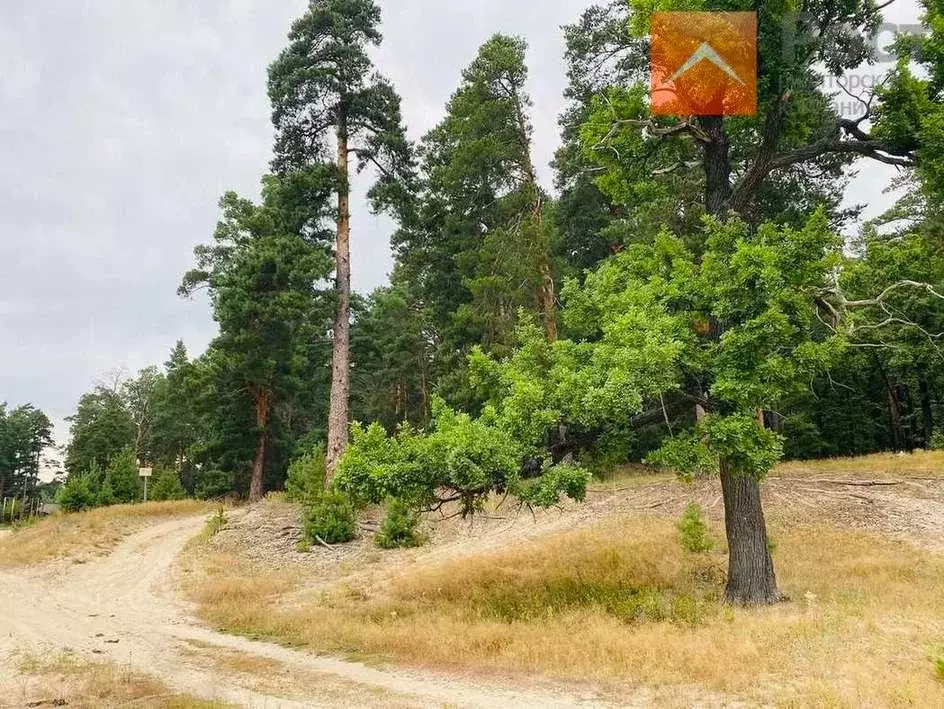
(684,295)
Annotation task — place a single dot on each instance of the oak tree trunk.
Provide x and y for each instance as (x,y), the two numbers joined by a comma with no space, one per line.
(263,407)
(751,578)
(338,412)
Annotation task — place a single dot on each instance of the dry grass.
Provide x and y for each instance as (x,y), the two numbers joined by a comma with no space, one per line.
(621,603)
(73,682)
(880,466)
(86,534)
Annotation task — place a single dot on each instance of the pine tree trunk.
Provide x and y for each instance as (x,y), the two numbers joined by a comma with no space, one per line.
(547,299)
(338,412)
(256,488)
(751,578)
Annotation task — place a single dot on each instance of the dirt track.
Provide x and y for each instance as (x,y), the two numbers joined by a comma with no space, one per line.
(121,608)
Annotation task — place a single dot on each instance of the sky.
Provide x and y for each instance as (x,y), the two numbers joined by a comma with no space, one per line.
(123,121)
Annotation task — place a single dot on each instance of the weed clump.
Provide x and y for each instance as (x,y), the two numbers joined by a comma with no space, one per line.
(693,532)
(399,528)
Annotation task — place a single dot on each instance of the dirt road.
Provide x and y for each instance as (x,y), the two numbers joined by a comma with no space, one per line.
(121,608)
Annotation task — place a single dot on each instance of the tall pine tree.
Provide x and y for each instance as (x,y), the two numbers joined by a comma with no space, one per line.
(323,89)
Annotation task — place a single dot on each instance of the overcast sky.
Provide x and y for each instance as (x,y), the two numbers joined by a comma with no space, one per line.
(123,121)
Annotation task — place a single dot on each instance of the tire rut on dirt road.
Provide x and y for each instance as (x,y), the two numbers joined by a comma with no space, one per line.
(121,608)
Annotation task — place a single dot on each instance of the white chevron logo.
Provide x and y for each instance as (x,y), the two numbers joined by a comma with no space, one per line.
(706,53)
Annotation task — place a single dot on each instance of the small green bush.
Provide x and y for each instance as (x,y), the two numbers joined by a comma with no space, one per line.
(399,527)
(78,493)
(122,476)
(215,523)
(693,533)
(306,477)
(939,666)
(330,519)
(167,487)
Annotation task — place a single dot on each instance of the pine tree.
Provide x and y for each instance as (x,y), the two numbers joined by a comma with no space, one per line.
(323,87)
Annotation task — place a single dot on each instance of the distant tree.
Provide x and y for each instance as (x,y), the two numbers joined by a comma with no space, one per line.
(176,411)
(100,429)
(393,347)
(25,432)
(140,394)
(323,86)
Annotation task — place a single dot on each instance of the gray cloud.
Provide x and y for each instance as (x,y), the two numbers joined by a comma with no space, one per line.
(122,122)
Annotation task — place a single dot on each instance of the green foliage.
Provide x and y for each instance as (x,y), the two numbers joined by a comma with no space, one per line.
(939,667)
(101,428)
(306,476)
(330,519)
(24,434)
(211,484)
(459,459)
(216,523)
(399,527)
(166,486)
(937,440)
(78,493)
(312,85)
(122,478)
(693,532)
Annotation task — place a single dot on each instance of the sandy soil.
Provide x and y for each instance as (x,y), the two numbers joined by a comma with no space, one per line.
(121,609)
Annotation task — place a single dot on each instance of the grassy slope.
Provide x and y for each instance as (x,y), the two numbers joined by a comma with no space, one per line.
(620,601)
(85,534)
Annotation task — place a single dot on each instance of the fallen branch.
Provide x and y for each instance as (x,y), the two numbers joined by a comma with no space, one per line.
(325,544)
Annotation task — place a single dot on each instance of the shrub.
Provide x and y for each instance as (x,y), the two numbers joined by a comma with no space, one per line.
(399,526)
(106,494)
(167,487)
(939,666)
(122,477)
(330,519)
(78,493)
(693,532)
(306,477)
